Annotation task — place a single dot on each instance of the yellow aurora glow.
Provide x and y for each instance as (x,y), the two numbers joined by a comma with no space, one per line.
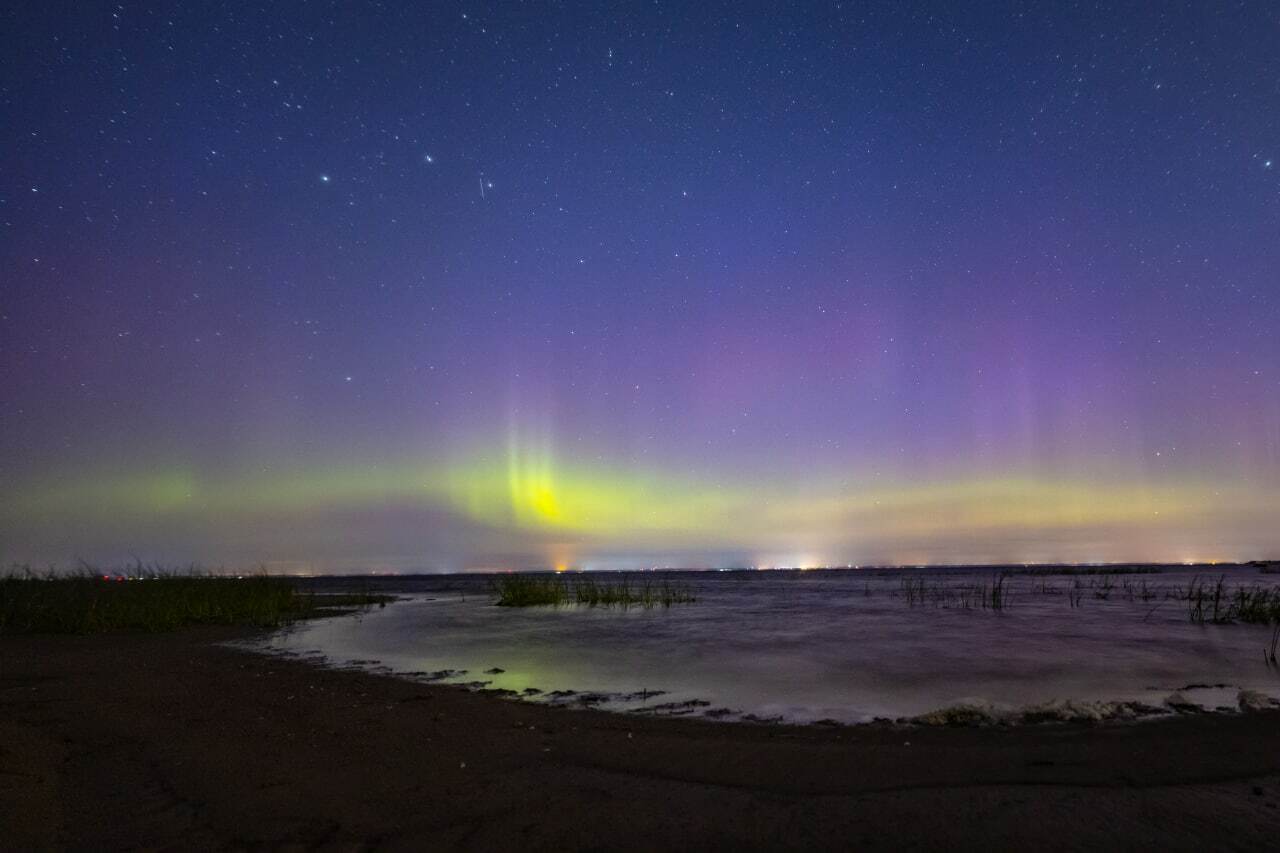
(587,508)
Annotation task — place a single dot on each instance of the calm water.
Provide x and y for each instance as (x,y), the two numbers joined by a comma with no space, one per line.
(805,646)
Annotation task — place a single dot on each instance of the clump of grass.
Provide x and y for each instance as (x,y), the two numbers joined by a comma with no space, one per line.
(521,590)
(1046,588)
(534,590)
(913,589)
(1102,589)
(153,600)
(1141,591)
(1084,570)
(999,596)
(1204,602)
(1215,604)
(965,596)
(1256,605)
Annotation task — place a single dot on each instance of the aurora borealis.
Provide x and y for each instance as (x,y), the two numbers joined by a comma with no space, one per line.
(465,286)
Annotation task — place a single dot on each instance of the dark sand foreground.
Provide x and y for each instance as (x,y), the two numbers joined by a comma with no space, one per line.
(171,742)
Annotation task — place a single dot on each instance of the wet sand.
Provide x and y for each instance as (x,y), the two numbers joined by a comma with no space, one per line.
(170,741)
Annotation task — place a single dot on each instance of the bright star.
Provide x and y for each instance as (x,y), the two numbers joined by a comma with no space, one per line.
(324,179)
(428,158)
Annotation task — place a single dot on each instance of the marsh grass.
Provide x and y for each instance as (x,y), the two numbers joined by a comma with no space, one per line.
(995,595)
(1102,589)
(520,590)
(913,590)
(1207,601)
(1215,604)
(1050,571)
(1256,605)
(540,590)
(1204,601)
(1140,591)
(1043,587)
(152,599)
(1000,595)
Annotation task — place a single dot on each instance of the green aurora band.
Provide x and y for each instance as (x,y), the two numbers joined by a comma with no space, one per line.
(573,514)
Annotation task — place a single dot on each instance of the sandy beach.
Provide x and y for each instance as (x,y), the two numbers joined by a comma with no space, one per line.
(174,742)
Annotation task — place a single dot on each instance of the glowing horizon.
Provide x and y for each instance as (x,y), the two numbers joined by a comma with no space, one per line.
(566,514)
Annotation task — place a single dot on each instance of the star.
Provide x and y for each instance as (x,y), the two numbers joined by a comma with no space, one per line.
(428,159)
(324,179)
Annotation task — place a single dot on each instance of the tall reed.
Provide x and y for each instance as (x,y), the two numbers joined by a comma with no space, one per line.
(150,599)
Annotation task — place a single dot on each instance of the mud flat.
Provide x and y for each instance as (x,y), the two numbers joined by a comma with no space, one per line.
(174,740)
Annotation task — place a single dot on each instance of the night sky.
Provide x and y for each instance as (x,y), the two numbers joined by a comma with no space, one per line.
(460,286)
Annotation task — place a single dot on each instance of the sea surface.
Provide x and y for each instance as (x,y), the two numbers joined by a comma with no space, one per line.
(804,646)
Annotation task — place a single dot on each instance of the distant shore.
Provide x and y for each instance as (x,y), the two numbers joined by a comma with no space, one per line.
(169,740)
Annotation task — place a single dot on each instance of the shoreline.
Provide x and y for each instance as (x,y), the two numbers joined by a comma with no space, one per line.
(175,740)
(968,714)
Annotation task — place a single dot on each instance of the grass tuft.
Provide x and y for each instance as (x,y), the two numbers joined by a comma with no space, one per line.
(540,590)
(1049,571)
(151,599)
(1215,604)
(965,596)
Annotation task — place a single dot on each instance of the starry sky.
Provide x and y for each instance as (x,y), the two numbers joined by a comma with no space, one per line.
(458,286)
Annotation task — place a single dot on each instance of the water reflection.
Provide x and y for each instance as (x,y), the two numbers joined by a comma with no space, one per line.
(843,645)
